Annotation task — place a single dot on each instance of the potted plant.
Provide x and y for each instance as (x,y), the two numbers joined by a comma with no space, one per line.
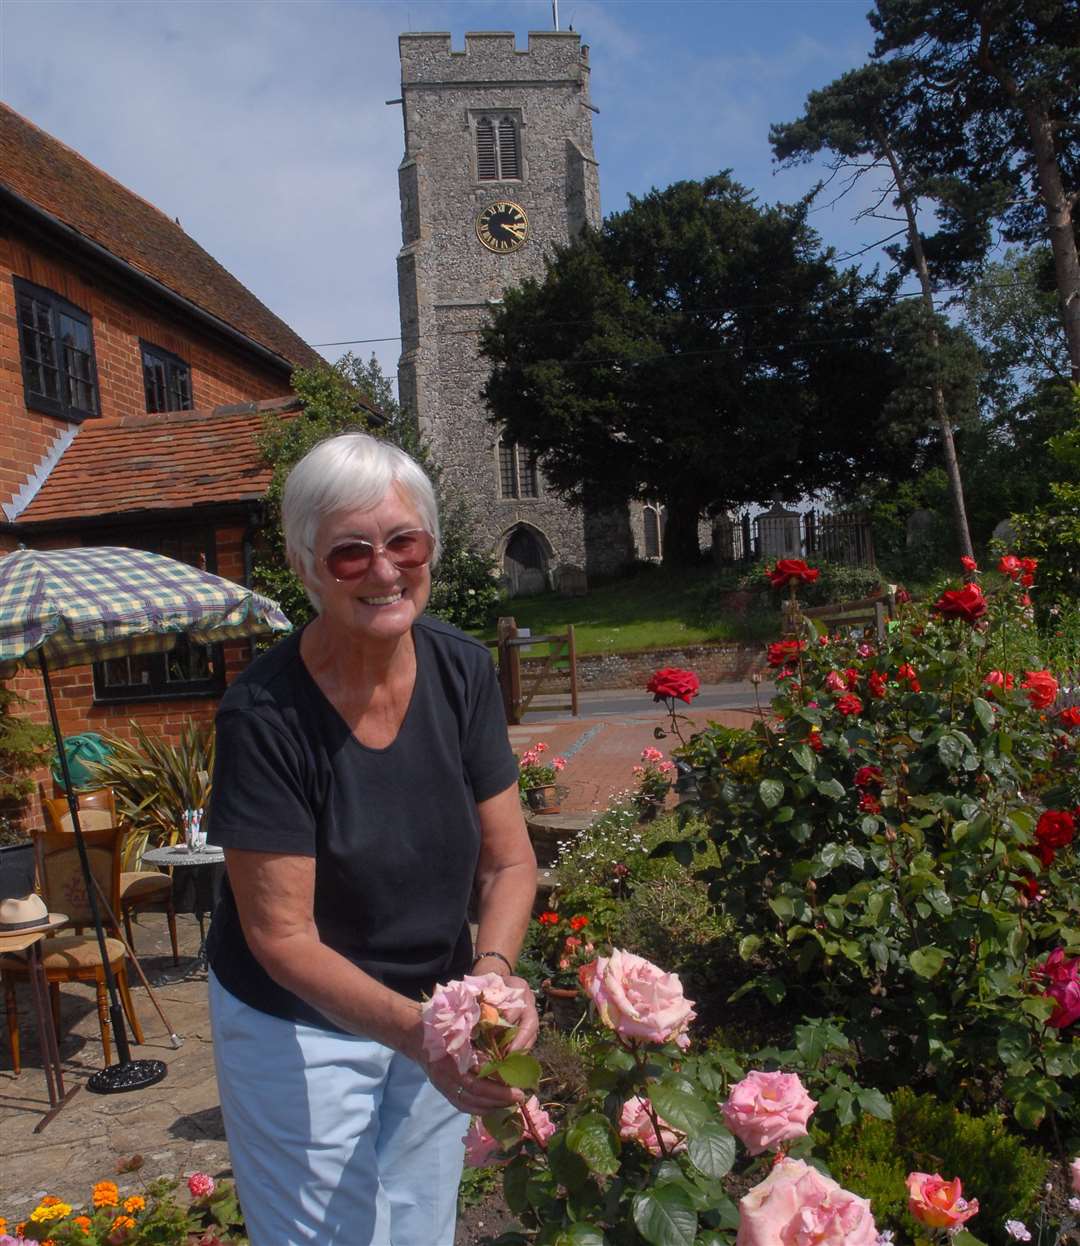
(654,775)
(536,779)
(16,861)
(564,947)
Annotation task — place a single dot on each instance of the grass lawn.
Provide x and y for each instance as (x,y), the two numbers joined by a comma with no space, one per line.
(654,609)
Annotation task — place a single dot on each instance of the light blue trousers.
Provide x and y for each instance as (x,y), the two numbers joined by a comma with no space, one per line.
(335,1139)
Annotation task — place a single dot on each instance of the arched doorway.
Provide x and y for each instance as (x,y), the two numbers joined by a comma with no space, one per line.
(525,560)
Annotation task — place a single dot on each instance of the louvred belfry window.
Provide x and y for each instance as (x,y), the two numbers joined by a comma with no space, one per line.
(498,149)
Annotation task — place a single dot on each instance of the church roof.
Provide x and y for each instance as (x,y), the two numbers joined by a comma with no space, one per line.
(56,180)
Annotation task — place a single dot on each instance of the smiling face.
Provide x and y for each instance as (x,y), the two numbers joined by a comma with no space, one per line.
(385,601)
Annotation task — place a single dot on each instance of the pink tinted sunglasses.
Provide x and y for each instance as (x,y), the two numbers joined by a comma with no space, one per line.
(406,550)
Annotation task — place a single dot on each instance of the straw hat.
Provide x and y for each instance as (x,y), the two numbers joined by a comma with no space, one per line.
(26,914)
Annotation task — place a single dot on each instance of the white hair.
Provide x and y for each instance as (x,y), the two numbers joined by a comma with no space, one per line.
(347,472)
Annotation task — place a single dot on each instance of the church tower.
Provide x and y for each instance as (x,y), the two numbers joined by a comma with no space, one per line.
(498,167)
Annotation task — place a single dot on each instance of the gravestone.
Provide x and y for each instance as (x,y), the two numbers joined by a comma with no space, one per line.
(570,580)
(1003,531)
(920,528)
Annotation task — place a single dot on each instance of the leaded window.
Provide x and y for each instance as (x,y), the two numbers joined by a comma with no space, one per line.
(56,343)
(498,149)
(518,473)
(166,379)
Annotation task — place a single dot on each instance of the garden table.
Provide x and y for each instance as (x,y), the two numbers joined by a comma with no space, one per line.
(29,941)
(207,866)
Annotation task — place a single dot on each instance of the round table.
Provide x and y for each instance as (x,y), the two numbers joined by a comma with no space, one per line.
(207,864)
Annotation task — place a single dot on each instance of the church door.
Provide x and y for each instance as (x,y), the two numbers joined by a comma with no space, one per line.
(523,563)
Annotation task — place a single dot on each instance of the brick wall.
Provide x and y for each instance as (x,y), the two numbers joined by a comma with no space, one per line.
(219,373)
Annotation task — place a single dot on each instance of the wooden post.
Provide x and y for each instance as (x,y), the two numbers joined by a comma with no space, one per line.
(571,649)
(509,669)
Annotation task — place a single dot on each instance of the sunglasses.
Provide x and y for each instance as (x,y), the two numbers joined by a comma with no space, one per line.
(406,550)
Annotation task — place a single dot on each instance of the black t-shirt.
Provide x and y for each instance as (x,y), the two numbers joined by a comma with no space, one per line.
(394,831)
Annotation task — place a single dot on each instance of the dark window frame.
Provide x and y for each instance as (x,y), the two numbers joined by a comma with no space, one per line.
(496,158)
(159,687)
(519,475)
(173,364)
(56,306)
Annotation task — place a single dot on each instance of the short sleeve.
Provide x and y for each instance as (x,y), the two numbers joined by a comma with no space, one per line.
(258,799)
(489,760)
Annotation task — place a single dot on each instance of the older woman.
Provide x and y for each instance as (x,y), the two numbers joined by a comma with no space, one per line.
(364,789)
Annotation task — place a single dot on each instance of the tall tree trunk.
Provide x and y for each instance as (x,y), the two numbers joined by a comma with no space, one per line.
(948,445)
(681,546)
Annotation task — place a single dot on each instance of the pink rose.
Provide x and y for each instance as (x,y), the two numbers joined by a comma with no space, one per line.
(636,1125)
(1074,1175)
(937,1203)
(448,1020)
(636,999)
(765,1109)
(480,1146)
(835,682)
(540,1126)
(200,1184)
(489,988)
(796,1205)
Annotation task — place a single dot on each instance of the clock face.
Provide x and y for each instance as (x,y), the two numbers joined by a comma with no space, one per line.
(502,227)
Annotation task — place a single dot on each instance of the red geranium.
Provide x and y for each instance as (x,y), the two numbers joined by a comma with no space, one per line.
(877,684)
(579,922)
(815,741)
(1055,829)
(673,682)
(967,603)
(1041,687)
(792,570)
(785,652)
(869,776)
(1070,716)
(548,918)
(849,703)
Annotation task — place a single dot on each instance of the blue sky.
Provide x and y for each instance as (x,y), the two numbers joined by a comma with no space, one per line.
(262,124)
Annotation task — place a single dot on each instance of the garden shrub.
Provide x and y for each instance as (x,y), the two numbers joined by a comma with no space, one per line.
(883,848)
(927,1135)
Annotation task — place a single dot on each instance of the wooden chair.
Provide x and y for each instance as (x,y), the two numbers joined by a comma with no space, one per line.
(74,957)
(138,888)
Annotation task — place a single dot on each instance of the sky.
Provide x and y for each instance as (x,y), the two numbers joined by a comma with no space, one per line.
(263,124)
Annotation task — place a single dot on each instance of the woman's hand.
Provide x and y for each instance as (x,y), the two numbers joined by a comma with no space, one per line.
(529,1025)
(469,1093)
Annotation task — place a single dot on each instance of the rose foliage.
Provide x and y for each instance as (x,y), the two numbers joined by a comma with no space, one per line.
(896,845)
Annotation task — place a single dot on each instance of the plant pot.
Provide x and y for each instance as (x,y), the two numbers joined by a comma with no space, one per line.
(543,799)
(566,1005)
(648,807)
(16,870)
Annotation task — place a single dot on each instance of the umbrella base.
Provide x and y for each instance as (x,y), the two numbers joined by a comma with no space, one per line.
(132,1075)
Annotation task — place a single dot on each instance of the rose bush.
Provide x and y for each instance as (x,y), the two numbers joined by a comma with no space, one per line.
(900,853)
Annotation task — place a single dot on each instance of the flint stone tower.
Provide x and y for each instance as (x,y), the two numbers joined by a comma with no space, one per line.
(498,167)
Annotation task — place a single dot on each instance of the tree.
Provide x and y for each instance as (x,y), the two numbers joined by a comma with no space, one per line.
(999,84)
(338,399)
(698,350)
(867,120)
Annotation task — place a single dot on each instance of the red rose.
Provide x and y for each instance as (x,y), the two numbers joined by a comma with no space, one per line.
(869,776)
(877,684)
(1041,687)
(965,603)
(851,675)
(905,671)
(785,652)
(869,803)
(1011,566)
(1027,580)
(672,682)
(849,704)
(1070,716)
(815,741)
(902,596)
(968,564)
(1030,565)
(1055,829)
(1000,679)
(791,570)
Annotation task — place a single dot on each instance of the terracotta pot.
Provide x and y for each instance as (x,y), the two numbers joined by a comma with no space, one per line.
(543,799)
(566,1004)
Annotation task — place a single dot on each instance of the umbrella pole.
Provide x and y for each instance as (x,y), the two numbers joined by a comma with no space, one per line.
(128,1074)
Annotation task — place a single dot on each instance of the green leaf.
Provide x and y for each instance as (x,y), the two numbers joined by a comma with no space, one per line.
(927,961)
(515,1183)
(803,756)
(581,1234)
(874,1103)
(681,1110)
(832,788)
(771,792)
(964,1238)
(664,1217)
(712,1151)
(519,1070)
(567,1167)
(1029,1110)
(593,1138)
(748,946)
(985,714)
(783,908)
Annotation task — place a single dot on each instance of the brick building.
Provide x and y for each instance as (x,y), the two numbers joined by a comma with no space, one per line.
(135,373)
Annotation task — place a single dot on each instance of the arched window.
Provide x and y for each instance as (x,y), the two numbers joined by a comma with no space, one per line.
(498,149)
(651,519)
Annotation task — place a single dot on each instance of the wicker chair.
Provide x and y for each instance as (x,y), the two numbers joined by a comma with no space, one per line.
(138,888)
(74,957)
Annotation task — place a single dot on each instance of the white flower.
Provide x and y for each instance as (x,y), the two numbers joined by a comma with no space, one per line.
(1074,1203)
(885,1237)
(1017,1230)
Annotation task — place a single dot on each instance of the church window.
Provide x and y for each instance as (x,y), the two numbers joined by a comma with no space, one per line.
(518,474)
(498,149)
(653,516)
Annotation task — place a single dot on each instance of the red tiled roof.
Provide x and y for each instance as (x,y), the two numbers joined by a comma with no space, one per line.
(161,462)
(56,179)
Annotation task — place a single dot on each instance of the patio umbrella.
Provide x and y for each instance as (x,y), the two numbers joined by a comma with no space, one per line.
(68,607)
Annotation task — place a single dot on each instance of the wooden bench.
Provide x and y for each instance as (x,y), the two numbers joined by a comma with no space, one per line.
(868,617)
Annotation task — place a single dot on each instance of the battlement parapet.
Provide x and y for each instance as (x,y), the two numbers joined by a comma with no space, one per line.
(492,56)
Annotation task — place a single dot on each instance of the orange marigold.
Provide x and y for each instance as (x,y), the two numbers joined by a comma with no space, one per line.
(84,1223)
(121,1222)
(20,1228)
(3,1224)
(106,1194)
(135,1203)
(50,1200)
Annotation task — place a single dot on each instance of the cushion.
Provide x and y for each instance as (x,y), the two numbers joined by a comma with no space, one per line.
(68,952)
(144,885)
